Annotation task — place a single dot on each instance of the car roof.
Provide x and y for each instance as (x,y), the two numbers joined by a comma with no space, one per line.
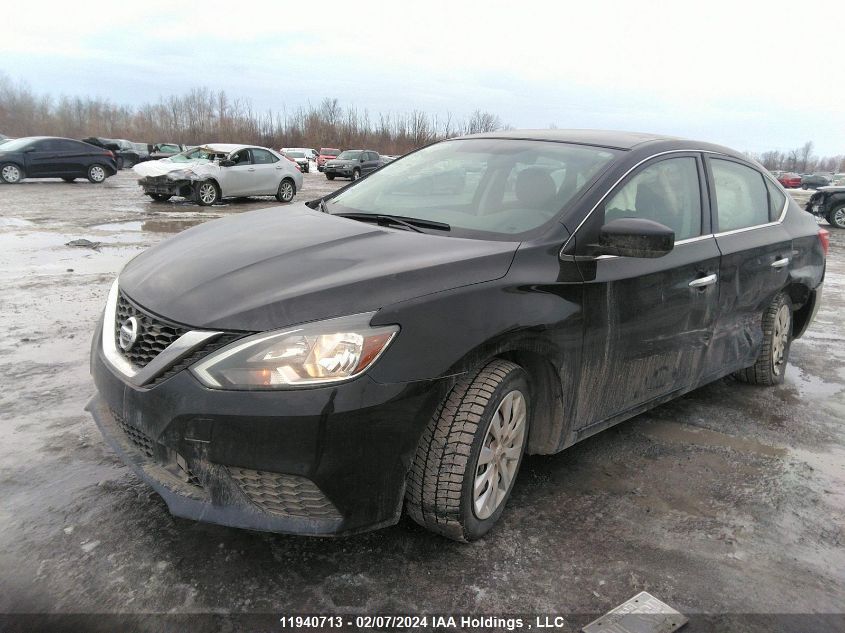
(614,139)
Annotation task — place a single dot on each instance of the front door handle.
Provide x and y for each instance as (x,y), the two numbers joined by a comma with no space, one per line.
(780,263)
(702,282)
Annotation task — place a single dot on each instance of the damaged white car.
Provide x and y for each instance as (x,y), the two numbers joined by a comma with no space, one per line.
(209,173)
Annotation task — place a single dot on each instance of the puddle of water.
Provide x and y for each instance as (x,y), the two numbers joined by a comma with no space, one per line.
(14,222)
(808,385)
(134,225)
(684,434)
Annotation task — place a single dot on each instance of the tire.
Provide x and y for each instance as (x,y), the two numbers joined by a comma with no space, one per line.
(330,176)
(440,493)
(286,191)
(356,174)
(68,179)
(97,173)
(836,217)
(207,193)
(119,162)
(804,187)
(160,197)
(11,174)
(770,366)
(308,169)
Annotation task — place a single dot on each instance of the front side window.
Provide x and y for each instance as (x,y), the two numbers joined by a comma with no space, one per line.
(241,158)
(667,192)
(741,197)
(482,188)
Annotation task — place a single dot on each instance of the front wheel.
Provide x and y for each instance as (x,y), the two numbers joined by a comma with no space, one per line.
(770,366)
(286,191)
(356,174)
(330,176)
(207,193)
(160,197)
(96,174)
(804,187)
(836,217)
(470,452)
(11,174)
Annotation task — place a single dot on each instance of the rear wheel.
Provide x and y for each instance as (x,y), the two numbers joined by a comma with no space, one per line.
(836,217)
(286,191)
(160,197)
(96,173)
(207,193)
(11,174)
(770,366)
(470,453)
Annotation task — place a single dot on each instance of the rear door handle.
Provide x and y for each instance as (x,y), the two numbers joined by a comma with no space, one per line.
(701,282)
(780,263)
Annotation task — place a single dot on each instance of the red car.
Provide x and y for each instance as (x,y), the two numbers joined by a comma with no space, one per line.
(790,180)
(327,153)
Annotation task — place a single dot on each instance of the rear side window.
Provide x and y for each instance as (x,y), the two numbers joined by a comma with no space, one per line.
(667,192)
(776,201)
(262,157)
(741,197)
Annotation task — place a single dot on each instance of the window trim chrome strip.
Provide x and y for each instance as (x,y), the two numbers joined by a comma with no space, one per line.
(185,344)
(780,220)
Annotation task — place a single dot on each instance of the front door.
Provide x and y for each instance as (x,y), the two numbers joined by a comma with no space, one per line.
(649,322)
(239,179)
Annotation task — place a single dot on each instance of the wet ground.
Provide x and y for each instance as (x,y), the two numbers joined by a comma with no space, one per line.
(728,500)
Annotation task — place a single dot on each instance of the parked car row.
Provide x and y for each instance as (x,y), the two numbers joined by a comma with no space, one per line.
(53,157)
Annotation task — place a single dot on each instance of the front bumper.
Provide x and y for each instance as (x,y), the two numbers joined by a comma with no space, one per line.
(321,461)
(168,187)
(345,172)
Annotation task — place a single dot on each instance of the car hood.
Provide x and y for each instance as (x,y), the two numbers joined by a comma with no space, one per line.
(276,267)
(164,166)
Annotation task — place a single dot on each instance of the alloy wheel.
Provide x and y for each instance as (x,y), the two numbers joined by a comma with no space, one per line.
(207,193)
(781,339)
(97,173)
(286,191)
(839,217)
(11,174)
(500,454)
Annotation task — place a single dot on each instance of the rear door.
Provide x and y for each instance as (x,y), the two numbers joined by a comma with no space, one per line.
(649,322)
(756,254)
(370,162)
(74,156)
(268,174)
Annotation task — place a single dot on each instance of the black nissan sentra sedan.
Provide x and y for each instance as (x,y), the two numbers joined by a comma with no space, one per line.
(53,157)
(404,341)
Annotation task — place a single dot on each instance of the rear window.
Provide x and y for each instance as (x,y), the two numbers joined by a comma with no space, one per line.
(327,151)
(742,200)
(776,201)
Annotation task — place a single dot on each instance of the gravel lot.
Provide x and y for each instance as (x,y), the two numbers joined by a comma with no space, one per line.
(730,500)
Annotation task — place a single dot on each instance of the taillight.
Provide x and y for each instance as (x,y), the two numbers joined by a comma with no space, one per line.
(109,153)
(824,238)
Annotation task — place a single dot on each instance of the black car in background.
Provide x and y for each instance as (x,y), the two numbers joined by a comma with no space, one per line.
(392,346)
(352,163)
(54,157)
(814,181)
(829,203)
(126,153)
(165,150)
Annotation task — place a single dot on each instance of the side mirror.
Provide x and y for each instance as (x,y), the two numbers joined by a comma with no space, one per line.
(28,150)
(635,237)
(227,162)
(361,160)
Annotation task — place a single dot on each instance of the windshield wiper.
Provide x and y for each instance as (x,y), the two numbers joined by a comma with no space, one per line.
(410,223)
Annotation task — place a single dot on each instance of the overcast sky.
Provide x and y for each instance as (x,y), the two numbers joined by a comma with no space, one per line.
(754,76)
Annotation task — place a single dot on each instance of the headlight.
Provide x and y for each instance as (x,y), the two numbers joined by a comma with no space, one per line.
(312,354)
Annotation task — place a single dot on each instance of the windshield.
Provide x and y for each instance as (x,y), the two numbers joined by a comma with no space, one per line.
(351,154)
(296,154)
(486,188)
(326,151)
(16,144)
(198,154)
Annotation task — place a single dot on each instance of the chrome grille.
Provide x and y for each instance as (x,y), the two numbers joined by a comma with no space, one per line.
(154,334)
(284,495)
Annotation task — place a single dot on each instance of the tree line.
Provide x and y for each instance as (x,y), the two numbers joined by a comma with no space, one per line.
(800,160)
(202,116)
